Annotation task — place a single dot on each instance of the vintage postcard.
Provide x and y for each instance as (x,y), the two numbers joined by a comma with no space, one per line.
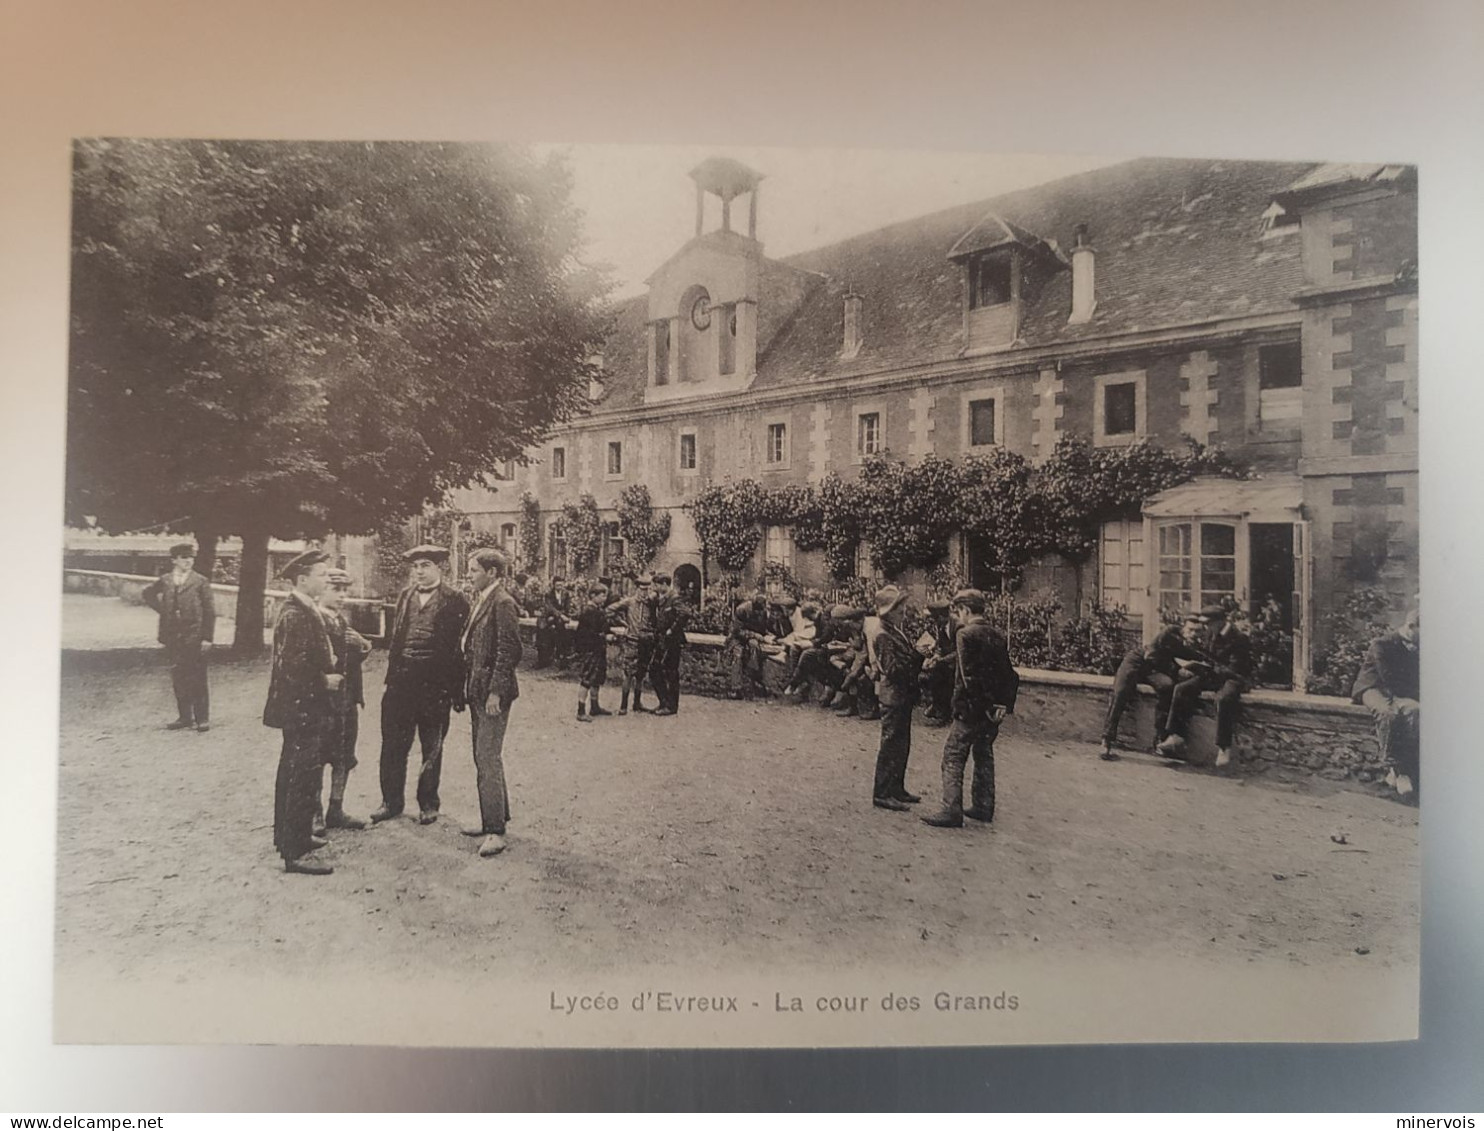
(637,596)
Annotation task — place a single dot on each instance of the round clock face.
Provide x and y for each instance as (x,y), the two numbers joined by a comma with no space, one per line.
(700,313)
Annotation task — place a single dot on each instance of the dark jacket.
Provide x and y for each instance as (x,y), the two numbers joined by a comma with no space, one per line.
(1390,666)
(984,677)
(302,657)
(900,664)
(591,636)
(187,612)
(1160,654)
(447,669)
(492,651)
(749,622)
(670,617)
(1229,652)
(350,649)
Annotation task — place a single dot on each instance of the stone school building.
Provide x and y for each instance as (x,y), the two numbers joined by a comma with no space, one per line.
(1268,309)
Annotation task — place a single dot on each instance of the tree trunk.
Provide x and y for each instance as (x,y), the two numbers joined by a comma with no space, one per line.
(252,587)
(206,542)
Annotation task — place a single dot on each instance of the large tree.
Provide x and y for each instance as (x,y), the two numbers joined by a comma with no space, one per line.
(285,338)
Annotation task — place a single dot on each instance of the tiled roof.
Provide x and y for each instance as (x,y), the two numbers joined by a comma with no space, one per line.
(1176,242)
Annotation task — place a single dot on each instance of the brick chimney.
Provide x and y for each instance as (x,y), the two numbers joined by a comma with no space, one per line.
(1084,300)
(852,342)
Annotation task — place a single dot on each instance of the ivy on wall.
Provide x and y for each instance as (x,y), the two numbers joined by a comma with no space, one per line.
(582,526)
(530,531)
(642,530)
(908,512)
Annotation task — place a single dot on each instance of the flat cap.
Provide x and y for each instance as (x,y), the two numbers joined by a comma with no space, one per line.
(182,550)
(937,605)
(340,578)
(785,602)
(426,553)
(1213,612)
(845,612)
(971,599)
(644,579)
(300,563)
(662,579)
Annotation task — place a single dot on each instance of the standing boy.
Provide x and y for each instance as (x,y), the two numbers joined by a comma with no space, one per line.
(900,665)
(590,652)
(350,649)
(183,599)
(984,691)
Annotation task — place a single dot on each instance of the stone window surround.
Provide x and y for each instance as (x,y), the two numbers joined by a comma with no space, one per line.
(680,468)
(613,476)
(1135,377)
(995,393)
(865,408)
(786,461)
(555,478)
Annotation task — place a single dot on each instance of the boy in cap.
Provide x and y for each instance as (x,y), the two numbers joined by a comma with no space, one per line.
(637,612)
(302,691)
(590,652)
(900,665)
(985,685)
(424,681)
(1158,665)
(750,629)
(1225,669)
(1390,685)
(670,616)
(187,611)
(350,649)
(937,666)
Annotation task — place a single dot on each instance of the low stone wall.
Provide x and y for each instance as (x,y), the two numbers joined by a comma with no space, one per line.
(366,615)
(1329,737)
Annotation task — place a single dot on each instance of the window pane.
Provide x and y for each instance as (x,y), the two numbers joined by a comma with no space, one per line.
(992,282)
(1174,539)
(981,422)
(1120,403)
(1218,538)
(868,432)
(688,452)
(559,463)
(615,457)
(1280,366)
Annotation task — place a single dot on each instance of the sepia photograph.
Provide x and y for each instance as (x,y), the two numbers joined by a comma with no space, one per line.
(592,595)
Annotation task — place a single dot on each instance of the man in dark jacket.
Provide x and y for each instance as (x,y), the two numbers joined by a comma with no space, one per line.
(1225,669)
(183,599)
(302,689)
(985,686)
(900,665)
(670,616)
(424,681)
(491,651)
(1390,685)
(1157,665)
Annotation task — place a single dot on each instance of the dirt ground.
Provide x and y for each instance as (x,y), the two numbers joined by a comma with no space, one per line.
(733,834)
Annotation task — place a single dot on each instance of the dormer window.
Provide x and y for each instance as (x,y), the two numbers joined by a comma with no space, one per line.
(1277,220)
(990,281)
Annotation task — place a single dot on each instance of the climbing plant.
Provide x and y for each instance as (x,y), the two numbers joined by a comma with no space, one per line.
(642,530)
(530,531)
(582,526)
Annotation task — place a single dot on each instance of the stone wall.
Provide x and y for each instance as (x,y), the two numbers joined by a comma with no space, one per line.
(1330,737)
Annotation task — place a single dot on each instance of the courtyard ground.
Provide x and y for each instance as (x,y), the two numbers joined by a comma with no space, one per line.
(735,834)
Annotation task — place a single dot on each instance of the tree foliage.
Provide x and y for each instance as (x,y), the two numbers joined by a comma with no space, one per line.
(286,338)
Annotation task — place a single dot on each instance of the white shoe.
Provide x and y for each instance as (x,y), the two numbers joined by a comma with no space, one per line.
(493,845)
(1391,778)
(1403,785)
(1223,758)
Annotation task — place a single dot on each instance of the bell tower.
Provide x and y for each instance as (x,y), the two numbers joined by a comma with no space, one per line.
(703,301)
